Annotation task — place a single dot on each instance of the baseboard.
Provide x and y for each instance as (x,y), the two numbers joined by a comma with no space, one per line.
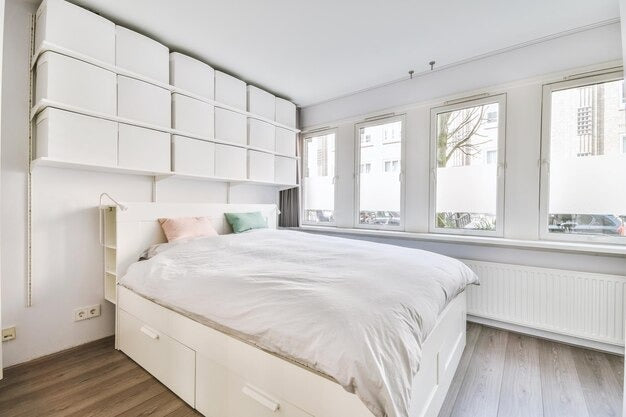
(543,334)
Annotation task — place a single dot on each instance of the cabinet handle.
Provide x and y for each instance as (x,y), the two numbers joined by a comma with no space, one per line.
(149,332)
(260,398)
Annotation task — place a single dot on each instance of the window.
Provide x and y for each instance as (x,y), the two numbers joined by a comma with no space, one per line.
(318,182)
(379,193)
(466,160)
(582,176)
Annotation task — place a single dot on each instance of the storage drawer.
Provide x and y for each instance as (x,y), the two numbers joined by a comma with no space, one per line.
(192,156)
(140,101)
(192,75)
(141,148)
(220,393)
(261,134)
(230,126)
(76,29)
(285,112)
(285,141)
(261,103)
(73,137)
(138,53)
(260,166)
(169,361)
(285,170)
(192,116)
(230,90)
(76,83)
(230,162)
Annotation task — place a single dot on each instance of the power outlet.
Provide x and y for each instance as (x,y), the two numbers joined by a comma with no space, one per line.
(85,313)
(8,334)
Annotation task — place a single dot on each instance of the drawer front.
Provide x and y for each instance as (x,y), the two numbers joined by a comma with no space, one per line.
(285,141)
(73,137)
(169,361)
(141,148)
(192,116)
(261,134)
(191,156)
(222,393)
(137,100)
(230,162)
(230,126)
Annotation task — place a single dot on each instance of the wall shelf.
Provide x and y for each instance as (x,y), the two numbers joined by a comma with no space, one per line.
(48,46)
(53,163)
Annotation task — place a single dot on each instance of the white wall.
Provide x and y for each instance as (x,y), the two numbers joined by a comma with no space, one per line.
(67,258)
(520,74)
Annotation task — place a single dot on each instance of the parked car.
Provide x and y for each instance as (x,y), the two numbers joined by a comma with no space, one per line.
(598,224)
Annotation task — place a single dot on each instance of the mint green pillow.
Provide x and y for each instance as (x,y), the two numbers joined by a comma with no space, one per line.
(240,222)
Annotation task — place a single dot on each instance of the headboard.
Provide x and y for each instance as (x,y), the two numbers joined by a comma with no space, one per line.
(127,233)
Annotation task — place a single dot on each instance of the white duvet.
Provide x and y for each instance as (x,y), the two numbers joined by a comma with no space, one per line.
(356,311)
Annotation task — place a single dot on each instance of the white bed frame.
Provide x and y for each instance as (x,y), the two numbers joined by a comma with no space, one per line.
(222,376)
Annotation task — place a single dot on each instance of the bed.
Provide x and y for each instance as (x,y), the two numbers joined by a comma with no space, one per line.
(206,318)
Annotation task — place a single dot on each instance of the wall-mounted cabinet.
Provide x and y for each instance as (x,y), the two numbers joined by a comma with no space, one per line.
(230,162)
(138,53)
(261,102)
(144,102)
(192,156)
(70,81)
(230,126)
(144,149)
(192,75)
(261,134)
(230,90)
(72,137)
(192,116)
(76,29)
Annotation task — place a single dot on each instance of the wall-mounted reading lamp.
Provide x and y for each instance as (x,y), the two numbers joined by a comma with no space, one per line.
(118,204)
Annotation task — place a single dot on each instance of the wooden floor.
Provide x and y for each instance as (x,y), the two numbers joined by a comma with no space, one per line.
(501,374)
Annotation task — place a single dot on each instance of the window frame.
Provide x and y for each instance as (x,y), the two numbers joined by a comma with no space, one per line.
(501,100)
(544,187)
(401,173)
(310,135)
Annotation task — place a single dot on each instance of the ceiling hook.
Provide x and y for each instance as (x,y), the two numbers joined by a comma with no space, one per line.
(432,65)
(411,72)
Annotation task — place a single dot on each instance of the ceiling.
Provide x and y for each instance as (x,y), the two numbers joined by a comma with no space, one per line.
(312,51)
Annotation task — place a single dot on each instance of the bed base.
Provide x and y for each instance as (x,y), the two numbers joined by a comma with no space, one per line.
(221,376)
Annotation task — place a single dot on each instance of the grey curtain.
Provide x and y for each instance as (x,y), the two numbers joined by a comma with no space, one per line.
(289,200)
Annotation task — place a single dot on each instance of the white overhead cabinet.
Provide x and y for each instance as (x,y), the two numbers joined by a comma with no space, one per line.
(72,137)
(285,112)
(230,126)
(192,156)
(144,149)
(261,134)
(261,103)
(230,162)
(142,55)
(285,141)
(192,116)
(143,102)
(230,90)
(192,75)
(260,166)
(66,25)
(284,170)
(74,83)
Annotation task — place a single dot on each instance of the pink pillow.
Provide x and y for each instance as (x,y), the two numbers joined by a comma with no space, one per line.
(187,227)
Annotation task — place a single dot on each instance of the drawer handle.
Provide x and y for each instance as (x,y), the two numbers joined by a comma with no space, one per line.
(260,398)
(149,332)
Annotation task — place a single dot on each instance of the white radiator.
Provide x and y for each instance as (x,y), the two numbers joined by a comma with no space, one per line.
(576,304)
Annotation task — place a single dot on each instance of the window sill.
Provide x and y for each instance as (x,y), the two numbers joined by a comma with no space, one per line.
(576,247)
